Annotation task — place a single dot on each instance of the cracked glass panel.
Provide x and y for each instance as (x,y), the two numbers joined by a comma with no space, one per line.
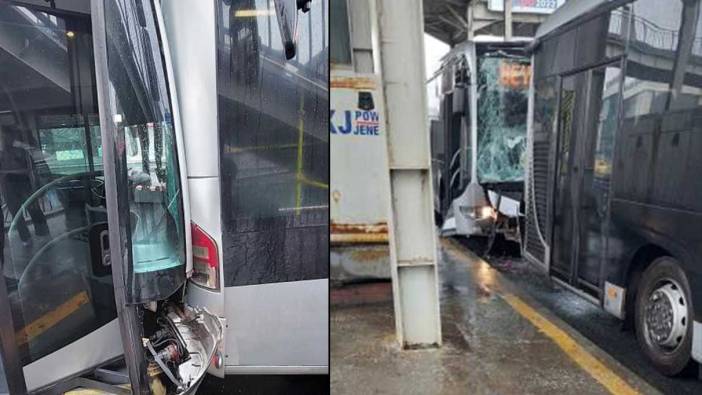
(503,86)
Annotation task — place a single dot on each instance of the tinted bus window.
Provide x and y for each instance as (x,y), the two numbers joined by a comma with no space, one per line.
(589,43)
(662,93)
(274,147)
(144,125)
(601,37)
(51,181)
(556,55)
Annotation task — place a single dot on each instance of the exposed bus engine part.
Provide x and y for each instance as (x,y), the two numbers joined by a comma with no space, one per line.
(180,346)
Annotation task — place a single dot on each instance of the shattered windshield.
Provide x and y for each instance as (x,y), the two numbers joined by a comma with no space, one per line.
(503,85)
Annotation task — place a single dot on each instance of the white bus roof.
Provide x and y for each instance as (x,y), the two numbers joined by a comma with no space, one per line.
(566,13)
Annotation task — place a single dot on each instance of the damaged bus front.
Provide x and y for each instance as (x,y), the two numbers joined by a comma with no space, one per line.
(96,248)
(479,140)
(122,251)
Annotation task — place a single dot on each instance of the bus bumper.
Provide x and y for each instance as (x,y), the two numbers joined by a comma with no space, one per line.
(202,333)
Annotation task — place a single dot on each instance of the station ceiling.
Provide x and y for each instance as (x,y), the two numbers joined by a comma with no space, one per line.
(446,19)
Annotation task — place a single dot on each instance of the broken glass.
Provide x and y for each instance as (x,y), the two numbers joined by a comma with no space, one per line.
(503,86)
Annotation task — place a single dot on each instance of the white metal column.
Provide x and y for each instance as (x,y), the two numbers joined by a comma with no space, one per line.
(399,55)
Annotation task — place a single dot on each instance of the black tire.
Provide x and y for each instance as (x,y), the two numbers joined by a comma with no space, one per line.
(668,361)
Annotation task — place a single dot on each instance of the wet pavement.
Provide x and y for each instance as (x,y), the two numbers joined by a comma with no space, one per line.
(589,320)
(489,348)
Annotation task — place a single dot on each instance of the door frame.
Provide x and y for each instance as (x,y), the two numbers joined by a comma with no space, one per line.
(13,369)
(573,278)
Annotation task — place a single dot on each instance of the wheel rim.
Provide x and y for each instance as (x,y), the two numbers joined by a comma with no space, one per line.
(665,316)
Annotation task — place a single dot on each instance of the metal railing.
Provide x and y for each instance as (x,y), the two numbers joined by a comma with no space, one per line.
(646,32)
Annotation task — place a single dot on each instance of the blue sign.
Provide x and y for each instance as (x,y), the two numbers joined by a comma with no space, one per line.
(360,123)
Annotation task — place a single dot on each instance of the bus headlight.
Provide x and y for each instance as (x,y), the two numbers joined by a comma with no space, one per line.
(479,213)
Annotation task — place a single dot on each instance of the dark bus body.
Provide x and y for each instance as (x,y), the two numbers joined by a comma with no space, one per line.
(614,198)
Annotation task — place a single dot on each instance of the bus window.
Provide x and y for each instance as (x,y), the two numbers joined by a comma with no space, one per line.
(144,119)
(51,183)
(609,28)
(339,33)
(69,150)
(557,54)
(661,100)
(274,151)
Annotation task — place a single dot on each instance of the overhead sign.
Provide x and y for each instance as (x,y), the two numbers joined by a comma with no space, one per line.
(527,6)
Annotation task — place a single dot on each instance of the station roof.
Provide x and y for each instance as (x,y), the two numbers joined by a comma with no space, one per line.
(446,19)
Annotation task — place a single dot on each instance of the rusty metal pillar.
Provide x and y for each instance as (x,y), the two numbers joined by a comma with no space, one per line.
(399,49)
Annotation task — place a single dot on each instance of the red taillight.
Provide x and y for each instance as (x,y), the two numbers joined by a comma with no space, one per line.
(205,259)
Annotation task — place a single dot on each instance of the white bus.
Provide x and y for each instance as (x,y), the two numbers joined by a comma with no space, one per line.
(479,137)
(164,180)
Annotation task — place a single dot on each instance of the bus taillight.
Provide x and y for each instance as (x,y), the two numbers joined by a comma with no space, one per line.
(205,259)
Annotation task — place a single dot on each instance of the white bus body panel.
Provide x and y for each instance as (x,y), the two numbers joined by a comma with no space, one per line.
(190,27)
(277,328)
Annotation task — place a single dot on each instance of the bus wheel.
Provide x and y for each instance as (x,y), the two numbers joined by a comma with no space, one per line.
(663,313)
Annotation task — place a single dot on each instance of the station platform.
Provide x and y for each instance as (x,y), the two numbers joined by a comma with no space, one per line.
(496,340)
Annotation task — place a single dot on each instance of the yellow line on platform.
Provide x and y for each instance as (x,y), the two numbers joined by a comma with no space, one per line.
(48,320)
(598,370)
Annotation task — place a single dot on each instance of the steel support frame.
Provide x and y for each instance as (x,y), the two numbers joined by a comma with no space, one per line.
(508,20)
(399,57)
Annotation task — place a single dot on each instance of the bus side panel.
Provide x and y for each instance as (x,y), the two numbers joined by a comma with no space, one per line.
(278,328)
(191,34)
(655,201)
(190,28)
(273,115)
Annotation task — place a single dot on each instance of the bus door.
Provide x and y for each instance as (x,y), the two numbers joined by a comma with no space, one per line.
(587,124)
(57,313)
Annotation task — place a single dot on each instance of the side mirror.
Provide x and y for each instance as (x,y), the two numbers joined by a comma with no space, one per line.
(286,11)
